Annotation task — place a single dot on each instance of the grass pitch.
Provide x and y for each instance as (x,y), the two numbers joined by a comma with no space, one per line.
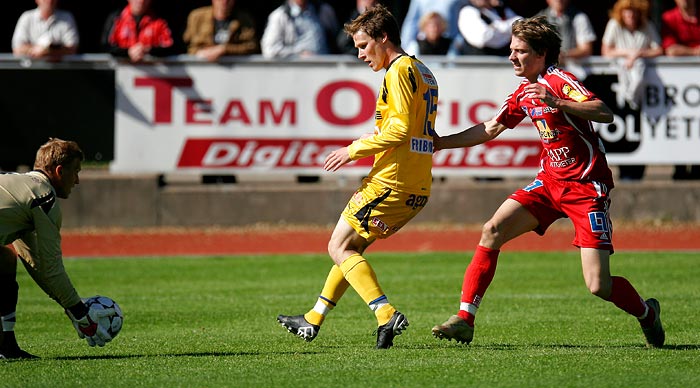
(210,322)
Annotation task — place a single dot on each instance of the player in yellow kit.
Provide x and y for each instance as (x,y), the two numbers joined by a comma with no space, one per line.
(397,187)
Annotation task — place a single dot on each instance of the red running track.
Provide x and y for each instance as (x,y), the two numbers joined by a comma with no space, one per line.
(232,242)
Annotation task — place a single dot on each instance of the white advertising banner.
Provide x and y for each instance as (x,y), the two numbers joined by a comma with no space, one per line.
(666,130)
(283,118)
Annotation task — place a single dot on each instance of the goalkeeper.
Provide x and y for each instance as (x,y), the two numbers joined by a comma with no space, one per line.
(30,219)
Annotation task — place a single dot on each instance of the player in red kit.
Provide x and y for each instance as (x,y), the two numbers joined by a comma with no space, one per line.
(574,181)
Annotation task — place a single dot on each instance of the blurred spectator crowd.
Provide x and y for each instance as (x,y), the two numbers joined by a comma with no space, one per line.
(287,28)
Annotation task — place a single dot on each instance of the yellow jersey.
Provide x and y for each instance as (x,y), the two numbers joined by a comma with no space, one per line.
(402,144)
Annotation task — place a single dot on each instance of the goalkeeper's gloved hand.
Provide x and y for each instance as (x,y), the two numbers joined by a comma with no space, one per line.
(88,326)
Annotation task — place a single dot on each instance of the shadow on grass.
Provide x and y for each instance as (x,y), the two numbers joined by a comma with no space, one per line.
(681,347)
(512,347)
(436,346)
(567,346)
(192,354)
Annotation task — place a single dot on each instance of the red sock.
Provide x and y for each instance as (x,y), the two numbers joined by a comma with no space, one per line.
(625,297)
(477,279)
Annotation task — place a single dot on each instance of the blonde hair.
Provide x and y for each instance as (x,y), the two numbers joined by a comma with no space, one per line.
(640,6)
(57,152)
(429,15)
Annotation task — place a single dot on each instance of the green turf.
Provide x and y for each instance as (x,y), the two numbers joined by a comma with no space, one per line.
(210,322)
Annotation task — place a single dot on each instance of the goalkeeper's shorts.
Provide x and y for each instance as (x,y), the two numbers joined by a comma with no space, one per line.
(375,211)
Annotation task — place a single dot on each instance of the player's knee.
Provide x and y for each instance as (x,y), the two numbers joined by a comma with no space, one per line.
(599,289)
(331,249)
(489,235)
(335,251)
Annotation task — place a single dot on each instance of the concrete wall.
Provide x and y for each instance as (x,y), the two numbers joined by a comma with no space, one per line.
(126,201)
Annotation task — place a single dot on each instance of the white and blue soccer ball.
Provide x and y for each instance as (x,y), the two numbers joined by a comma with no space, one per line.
(113,323)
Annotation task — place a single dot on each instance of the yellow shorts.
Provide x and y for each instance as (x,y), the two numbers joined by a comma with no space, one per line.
(375,211)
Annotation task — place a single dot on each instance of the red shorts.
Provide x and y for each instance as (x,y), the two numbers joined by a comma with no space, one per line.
(586,203)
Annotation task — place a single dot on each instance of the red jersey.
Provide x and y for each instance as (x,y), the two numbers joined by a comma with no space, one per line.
(572,149)
(151,31)
(677,30)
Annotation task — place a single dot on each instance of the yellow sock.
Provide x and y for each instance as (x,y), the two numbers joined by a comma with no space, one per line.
(333,290)
(362,278)
(314,317)
(384,314)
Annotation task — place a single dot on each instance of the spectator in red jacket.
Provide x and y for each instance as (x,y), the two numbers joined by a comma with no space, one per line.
(680,29)
(680,36)
(136,31)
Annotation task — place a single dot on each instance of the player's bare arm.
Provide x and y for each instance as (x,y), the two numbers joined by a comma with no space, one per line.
(679,50)
(336,159)
(472,136)
(593,110)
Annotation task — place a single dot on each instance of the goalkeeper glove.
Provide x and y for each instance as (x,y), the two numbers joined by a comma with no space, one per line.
(89,328)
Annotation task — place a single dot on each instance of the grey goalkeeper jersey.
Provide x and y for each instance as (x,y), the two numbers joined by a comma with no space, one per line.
(30,219)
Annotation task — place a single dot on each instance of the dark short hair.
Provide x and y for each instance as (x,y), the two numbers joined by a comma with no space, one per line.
(375,22)
(57,152)
(541,35)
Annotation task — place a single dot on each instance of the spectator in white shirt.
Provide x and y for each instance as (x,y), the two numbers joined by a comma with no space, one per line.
(630,38)
(486,26)
(300,28)
(45,32)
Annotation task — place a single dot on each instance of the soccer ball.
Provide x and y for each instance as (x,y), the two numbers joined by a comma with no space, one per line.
(112,323)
